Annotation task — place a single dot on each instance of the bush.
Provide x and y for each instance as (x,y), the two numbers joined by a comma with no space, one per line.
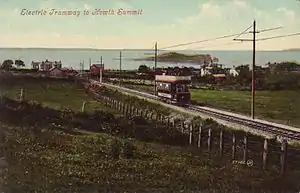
(128,149)
(115,149)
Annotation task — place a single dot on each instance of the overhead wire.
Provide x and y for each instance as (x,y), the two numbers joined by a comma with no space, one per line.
(200,41)
(243,32)
(222,37)
(215,45)
(280,36)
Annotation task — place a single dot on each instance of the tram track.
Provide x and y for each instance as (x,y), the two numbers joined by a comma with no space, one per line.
(284,131)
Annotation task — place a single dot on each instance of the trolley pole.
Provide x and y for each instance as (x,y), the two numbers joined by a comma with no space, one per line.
(253,40)
(155,66)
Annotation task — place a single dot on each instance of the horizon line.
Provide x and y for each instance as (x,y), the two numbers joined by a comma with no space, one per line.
(120,49)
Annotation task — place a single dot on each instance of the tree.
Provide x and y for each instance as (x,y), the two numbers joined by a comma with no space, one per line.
(215,60)
(143,69)
(7,65)
(244,77)
(19,63)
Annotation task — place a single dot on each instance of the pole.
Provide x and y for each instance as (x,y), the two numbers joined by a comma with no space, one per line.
(155,66)
(120,65)
(100,73)
(90,64)
(82,67)
(253,73)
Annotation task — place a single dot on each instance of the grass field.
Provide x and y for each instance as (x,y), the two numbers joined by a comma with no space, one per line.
(279,106)
(54,94)
(59,162)
(82,162)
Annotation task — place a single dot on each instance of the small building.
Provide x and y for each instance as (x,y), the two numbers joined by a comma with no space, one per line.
(95,69)
(56,72)
(35,65)
(46,65)
(233,72)
(219,77)
(206,71)
(69,72)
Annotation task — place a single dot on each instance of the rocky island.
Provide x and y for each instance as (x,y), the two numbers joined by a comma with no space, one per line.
(178,57)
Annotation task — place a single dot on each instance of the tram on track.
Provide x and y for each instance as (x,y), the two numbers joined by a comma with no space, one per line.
(173,89)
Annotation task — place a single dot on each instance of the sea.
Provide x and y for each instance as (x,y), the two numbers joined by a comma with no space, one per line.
(71,58)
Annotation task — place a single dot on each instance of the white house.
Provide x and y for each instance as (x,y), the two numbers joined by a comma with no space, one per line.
(233,72)
(206,71)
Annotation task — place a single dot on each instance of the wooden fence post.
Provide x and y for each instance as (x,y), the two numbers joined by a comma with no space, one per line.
(199,136)
(245,155)
(132,111)
(209,139)
(136,111)
(141,112)
(118,107)
(283,157)
(221,142)
(233,146)
(21,94)
(83,106)
(265,154)
(152,114)
(190,134)
(124,108)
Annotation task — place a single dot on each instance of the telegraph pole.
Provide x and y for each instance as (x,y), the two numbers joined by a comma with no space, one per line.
(155,66)
(120,65)
(253,40)
(101,70)
(90,64)
(253,72)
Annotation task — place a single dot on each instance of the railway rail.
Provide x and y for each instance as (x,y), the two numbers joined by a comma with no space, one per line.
(284,131)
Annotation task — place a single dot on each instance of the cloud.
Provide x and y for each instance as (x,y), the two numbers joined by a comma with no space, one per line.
(213,18)
(222,18)
(210,9)
(240,3)
(289,14)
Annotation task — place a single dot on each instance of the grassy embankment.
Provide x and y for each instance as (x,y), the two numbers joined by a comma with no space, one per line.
(52,93)
(61,162)
(278,106)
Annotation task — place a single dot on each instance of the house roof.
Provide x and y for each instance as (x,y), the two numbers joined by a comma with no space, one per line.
(219,75)
(69,70)
(54,68)
(98,65)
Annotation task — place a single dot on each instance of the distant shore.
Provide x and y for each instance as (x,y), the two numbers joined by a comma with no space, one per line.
(178,57)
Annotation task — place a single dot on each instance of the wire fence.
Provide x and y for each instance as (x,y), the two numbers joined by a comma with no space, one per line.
(243,148)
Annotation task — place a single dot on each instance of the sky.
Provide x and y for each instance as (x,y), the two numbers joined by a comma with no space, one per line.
(168,22)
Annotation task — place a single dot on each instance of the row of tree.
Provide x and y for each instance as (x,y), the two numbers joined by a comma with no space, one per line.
(275,76)
(9,64)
